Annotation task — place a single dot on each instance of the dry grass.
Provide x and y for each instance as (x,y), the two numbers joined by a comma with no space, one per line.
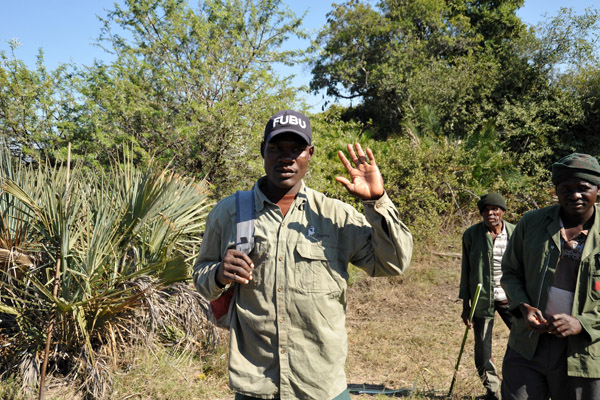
(404,333)
(161,375)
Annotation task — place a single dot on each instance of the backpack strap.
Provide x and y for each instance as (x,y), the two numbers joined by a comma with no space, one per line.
(244,205)
(223,307)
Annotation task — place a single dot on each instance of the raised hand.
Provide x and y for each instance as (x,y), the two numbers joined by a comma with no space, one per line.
(366,180)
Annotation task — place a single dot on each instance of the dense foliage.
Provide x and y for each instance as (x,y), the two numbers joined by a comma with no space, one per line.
(189,86)
(434,180)
(459,58)
(461,85)
(464,65)
(461,89)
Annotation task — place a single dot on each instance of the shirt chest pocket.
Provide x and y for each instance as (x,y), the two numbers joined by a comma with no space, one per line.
(314,268)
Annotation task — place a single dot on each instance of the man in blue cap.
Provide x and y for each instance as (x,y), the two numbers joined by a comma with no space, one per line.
(287,331)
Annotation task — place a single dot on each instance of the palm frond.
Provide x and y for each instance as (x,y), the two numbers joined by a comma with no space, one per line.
(121,237)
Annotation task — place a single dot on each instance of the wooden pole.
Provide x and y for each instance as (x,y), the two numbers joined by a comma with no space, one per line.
(462,346)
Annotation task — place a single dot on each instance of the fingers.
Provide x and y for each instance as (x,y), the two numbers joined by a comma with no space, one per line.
(536,320)
(466,321)
(358,157)
(361,159)
(343,181)
(563,325)
(539,317)
(371,157)
(352,154)
(365,180)
(345,161)
(557,328)
(237,267)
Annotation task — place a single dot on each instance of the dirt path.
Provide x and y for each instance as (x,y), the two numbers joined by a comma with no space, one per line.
(405,333)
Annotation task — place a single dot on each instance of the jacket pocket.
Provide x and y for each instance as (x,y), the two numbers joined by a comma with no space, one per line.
(580,346)
(313,270)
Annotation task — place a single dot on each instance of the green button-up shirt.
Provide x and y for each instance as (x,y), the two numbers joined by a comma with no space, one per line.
(287,335)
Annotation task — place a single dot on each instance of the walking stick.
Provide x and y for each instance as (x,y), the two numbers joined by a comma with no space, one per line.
(462,346)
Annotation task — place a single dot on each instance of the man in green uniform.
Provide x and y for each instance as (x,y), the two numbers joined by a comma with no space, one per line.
(551,274)
(483,246)
(287,332)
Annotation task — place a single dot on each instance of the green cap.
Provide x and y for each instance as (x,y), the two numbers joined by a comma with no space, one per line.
(491,199)
(576,165)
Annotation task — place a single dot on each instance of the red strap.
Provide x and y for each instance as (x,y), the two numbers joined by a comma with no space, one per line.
(220,306)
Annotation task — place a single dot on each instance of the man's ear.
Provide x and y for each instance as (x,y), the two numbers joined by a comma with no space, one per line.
(311,150)
(262,149)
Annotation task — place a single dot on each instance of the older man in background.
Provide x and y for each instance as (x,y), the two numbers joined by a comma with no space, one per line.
(483,246)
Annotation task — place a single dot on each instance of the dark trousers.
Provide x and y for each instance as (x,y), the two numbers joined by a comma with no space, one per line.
(484,360)
(545,376)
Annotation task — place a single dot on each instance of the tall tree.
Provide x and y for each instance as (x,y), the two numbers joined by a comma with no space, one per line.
(190,84)
(560,116)
(452,55)
(34,104)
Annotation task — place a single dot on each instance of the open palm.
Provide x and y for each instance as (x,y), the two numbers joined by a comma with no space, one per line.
(366,181)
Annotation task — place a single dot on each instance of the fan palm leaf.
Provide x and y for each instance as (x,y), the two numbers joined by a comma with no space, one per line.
(107,230)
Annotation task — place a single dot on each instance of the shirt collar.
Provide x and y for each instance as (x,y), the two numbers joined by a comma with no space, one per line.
(262,199)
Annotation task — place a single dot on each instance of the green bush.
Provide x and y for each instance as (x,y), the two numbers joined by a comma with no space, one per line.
(435,181)
(96,260)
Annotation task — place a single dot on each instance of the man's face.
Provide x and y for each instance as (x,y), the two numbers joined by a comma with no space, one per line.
(576,196)
(286,159)
(492,216)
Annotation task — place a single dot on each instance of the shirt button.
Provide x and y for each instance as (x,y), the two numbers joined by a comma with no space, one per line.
(280,258)
(282,320)
(279,290)
(282,351)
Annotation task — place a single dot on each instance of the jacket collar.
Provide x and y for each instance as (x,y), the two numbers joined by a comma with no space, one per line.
(553,226)
(592,243)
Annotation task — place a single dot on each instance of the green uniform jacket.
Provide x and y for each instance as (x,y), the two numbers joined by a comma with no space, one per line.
(528,268)
(477,267)
(288,335)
